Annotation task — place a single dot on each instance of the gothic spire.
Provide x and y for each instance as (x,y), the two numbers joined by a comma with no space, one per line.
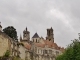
(20,37)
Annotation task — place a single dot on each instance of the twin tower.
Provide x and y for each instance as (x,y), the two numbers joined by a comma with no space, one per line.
(26,35)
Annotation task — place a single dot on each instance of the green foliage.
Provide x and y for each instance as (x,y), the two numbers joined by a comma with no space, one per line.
(7,53)
(11,31)
(72,52)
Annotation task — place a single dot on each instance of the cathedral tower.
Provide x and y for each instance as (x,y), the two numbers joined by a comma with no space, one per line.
(50,35)
(26,35)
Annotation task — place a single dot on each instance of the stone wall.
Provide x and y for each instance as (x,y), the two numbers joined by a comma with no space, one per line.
(7,43)
(3,45)
(22,52)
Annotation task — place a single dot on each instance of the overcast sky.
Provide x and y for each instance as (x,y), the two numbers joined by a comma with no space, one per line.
(38,15)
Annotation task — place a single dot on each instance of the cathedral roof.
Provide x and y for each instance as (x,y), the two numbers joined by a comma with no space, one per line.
(35,35)
(50,45)
(40,45)
(27,45)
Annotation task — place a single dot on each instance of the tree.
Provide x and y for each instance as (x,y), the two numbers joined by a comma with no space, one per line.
(11,31)
(72,52)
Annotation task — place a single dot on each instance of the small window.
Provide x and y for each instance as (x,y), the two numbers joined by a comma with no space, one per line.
(57,52)
(50,51)
(49,32)
(49,39)
(45,51)
(41,51)
(36,40)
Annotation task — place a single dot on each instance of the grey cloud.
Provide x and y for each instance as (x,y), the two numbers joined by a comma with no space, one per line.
(33,14)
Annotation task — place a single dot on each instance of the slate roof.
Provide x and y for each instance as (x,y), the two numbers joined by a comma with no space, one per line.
(35,35)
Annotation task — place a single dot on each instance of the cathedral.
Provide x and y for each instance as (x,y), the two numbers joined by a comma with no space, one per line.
(41,48)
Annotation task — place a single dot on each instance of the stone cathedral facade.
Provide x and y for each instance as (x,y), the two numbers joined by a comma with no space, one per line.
(40,48)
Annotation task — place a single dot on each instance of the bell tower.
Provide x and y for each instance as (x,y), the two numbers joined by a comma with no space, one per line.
(50,35)
(26,35)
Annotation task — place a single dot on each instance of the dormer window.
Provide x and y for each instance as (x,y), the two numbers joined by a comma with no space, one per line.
(36,40)
(49,39)
(50,51)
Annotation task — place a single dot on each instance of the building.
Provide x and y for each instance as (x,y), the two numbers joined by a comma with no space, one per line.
(22,52)
(40,48)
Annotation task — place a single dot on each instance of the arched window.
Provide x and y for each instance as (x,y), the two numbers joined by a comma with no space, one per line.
(49,39)
(49,32)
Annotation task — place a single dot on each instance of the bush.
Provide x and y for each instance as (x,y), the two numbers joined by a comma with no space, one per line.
(7,53)
(72,52)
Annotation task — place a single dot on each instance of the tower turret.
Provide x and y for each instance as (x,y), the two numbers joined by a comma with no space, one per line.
(50,35)
(20,38)
(26,35)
